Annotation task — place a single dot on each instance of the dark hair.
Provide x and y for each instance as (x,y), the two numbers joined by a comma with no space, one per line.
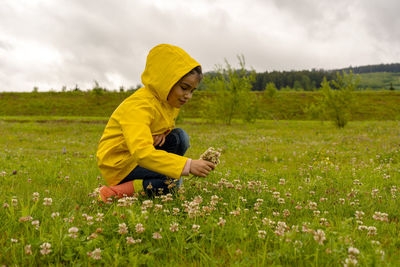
(196,70)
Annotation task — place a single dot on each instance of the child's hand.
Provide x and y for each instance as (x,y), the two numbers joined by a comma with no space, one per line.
(159,140)
(201,167)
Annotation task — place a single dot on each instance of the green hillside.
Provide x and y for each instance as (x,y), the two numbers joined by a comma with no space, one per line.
(380,80)
(371,105)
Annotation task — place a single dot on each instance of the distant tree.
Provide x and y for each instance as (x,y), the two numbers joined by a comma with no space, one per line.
(121,88)
(270,90)
(391,86)
(297,86)
(35,89)
(338,99)
(233,95)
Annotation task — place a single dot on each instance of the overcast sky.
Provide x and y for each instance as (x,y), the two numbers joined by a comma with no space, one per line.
(51,43)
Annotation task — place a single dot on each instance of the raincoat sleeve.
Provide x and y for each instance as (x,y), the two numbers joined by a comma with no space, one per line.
(135,126)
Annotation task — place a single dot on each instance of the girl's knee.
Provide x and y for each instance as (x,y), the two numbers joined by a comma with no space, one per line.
(182,140)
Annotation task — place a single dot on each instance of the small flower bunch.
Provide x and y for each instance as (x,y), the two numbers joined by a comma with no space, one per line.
(211,155)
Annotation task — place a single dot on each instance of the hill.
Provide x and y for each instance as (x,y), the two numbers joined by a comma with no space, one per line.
(371,105)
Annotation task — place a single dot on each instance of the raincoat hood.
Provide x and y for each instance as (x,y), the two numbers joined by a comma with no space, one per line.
(165,66)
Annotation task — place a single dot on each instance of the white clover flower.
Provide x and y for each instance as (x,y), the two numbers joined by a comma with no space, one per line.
(28,249)
(211,155)
(195,227)
(123,229)
(131,241)
(45,248)
(175,211)
(139,228)
(262,234)
(174,227)
(47,201)
(36,223)
(73,232)
(95,254)
(157,235)
(221,221)
(319,236)
(353,251)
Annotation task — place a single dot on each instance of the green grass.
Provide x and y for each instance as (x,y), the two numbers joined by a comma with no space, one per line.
(370,105)
(380,80)
(330,173)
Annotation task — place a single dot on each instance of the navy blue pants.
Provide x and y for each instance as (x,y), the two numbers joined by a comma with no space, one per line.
(177,142)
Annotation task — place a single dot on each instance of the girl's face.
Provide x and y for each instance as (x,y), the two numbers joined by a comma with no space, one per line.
(182,91)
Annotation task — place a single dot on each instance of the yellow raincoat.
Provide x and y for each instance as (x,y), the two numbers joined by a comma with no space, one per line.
(127,140)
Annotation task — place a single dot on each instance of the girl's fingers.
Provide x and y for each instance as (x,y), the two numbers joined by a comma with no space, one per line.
(162,140)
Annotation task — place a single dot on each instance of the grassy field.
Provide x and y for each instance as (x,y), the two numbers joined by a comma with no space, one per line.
(370,105)
(286,193)
(380,80)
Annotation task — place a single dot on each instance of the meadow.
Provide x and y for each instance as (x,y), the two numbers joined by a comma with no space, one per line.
(286,193)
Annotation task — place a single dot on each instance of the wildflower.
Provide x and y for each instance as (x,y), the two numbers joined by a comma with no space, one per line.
(55,214)
(36,224)
(92,236)
(139,228)
(6,206)
(89,220)
(47,201)
(14,202)
(276,194)
(175,211)
(95,254)
(123,229)
(350,261)
(195,227)
(275,213)
(353,251)
(130,240)
(359,214)
(100,217)
(262,234)
(73,232)
(25,219)
(14,240)
(174,227)
(35,197)
(45,248)
(286,213)
(380,216)
(312,205)
(281,200)
(371,230)
(28,250)
(282,181)
(238,252)
(319,236)
(221,222)
(211,155)
(157,235)
(158,207)
(280,229)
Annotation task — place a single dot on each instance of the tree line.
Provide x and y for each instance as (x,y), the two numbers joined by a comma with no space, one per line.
(308,80)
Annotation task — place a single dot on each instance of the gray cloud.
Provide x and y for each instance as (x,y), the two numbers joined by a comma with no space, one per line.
(54,43)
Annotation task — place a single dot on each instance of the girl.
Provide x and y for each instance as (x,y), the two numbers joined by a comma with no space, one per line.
(140,149)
